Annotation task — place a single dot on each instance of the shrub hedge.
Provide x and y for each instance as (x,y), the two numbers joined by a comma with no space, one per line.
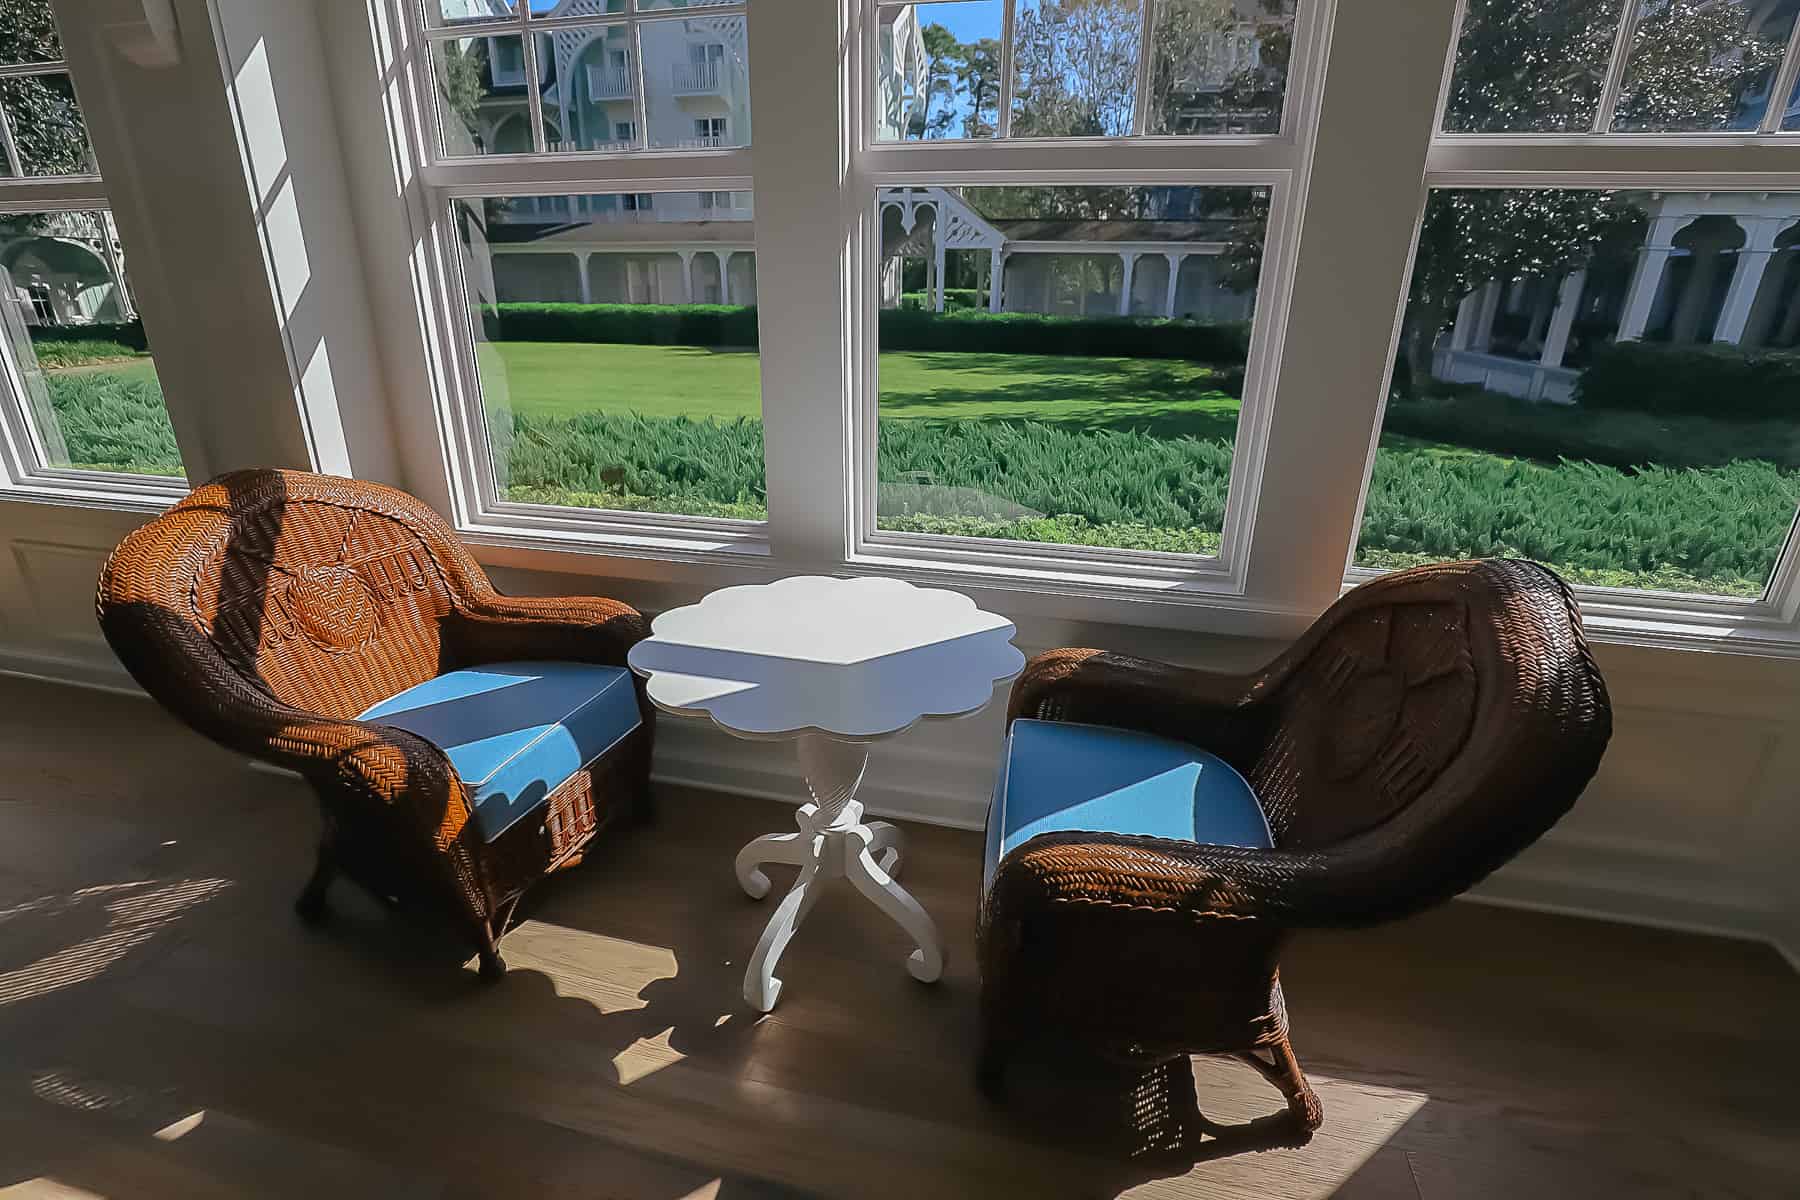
(73,345)
(966,330)
(1713,381)
(953,298)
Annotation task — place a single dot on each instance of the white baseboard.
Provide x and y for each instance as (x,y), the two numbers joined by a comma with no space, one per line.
(942,774)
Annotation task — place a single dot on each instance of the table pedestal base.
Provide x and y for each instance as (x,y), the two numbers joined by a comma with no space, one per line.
(833,842)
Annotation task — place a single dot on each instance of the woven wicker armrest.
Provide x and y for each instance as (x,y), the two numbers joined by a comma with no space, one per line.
(1221,713)
(496,628)
(1154,875)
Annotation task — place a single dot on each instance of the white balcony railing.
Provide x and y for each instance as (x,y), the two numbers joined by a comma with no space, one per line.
(608,83)
(702,143)
(696,79)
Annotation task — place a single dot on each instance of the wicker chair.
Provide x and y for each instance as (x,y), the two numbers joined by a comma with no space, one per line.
(268,608)
(1429,726)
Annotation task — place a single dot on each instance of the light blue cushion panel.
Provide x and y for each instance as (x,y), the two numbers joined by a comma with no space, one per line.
(515,731)
(1060,777)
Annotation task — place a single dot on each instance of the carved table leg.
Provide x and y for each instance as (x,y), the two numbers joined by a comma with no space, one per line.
(832,842)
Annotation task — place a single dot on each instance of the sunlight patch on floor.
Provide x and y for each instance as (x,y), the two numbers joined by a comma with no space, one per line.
(132,913)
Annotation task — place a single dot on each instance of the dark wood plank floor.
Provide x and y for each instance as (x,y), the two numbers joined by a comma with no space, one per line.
(168,1029)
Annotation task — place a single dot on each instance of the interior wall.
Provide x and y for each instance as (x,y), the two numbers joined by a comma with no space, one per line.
(1692,821)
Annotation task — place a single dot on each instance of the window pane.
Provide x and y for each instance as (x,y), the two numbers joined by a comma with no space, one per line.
(615,340)
(1075,67)
(697,82)
(1219,66)
(1091,398)
(28,33)
(1601,381)
(590,88)
(1531,66)
(74,349)
(456,12)
(938,71)
(483,107)
(47,129)
(1702,65)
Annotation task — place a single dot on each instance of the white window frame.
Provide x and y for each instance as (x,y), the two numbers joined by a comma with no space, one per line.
(1633,161)
(25,469)
(1359,133)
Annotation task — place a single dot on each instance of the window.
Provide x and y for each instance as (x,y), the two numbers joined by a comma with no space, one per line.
(1064,364)
(78,390)
(608,351)
(1093,296)
(560,78)
(1060,368)
(1078,68)
(1603,379)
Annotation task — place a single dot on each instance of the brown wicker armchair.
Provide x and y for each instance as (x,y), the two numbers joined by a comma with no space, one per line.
(268,608)
(1430,725)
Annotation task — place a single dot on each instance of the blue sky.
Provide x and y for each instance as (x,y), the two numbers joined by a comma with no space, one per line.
(970,21)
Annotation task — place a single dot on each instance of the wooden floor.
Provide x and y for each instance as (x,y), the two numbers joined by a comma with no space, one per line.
(168,1029)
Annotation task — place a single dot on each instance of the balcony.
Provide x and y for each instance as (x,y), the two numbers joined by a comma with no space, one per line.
(609,83)
(697,79)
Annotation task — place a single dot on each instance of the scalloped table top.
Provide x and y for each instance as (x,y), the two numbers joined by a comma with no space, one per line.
(856,659)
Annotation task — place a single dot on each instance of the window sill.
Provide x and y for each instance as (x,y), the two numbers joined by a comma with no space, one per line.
(1671,621)
(107,492)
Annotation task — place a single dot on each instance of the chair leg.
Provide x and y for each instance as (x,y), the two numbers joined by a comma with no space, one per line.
(492,965)
(311,904)
(991,1059)
(1285,1073)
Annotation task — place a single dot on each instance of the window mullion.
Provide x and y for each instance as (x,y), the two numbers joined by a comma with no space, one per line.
(1615,71)
(1140,111)
(1361,194)
(1003,118)
(804,221)
(1782,86)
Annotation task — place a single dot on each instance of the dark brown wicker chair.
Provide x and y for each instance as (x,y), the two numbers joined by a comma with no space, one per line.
(1431,725)
(270,607)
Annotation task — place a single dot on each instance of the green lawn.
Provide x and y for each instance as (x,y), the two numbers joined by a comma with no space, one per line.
(1099,451)
(1163,396)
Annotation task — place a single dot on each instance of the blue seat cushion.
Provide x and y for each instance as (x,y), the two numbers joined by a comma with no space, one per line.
(514,731)
(1060,777)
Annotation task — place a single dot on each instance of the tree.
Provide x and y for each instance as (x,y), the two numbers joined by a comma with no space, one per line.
(941,53)
(460,73)
(1535,66)
(47,129)
(977,66)
(1075,66)
(1191,93)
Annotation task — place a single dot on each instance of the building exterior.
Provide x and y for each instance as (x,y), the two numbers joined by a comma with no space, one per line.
(64,269)
(1715,267)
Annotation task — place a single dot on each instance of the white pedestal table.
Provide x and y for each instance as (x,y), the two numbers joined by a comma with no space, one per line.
(833,665)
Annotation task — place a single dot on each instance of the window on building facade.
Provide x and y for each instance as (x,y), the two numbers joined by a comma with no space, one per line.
(593,84)
(80,390)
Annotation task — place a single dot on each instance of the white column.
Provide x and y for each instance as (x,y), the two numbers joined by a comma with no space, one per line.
(1653,260)
(687,275)
(1568,302)
(723,257)
(937,263)
(996,278)
(587,288)
(1746,279)
(1489,308)
(1464,329)
(1129,259)
(1692,307)
(1175,258)
(1541,309)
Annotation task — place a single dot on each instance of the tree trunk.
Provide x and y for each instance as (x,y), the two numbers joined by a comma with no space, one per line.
(1424,320)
